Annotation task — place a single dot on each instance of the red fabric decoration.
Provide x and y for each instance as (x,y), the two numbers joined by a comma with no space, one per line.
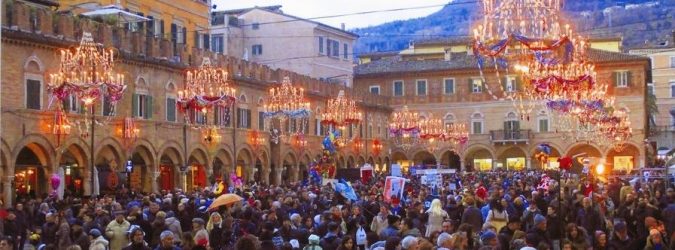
(565,163)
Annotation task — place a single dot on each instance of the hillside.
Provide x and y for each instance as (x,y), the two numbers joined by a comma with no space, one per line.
(639,22)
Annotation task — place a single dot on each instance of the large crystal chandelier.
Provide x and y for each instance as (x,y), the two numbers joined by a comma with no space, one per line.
(286,103)
(341,113)
(86,72)
(206,88)
(404,128)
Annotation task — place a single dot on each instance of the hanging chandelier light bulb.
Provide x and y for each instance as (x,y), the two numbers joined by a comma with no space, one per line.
(206,88)
(404,128)
(285,104)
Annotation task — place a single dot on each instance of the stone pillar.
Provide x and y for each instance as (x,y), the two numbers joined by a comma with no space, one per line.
(277,175)
(155,180)
(461,165)
(494,164)
(8,189)
(528,163)
(265,175)
(86,185)
(295,172)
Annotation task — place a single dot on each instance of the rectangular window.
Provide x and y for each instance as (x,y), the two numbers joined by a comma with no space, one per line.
(398,88)
(421,87)
(257,49)
(622,78)
(543,125)
(142,106)
(375,90)
(449,86)
(221,116)
(261,121)
(243,118)
(477,127)
(672,61)
(345,51)
(317,127)
(72,105)
(255,26)
(650,89)
(107,106)
(672,89)
(217,43)
(170,109)
(333,48)
(476,85)
(321,45)
(157,27)
(510,84)
(33,94)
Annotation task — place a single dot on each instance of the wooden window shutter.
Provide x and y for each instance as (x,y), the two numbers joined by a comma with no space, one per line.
(185,35)
(148,107)
(615,78)
(519,83)
(33,94)
(134,105)
(206,41)
(174,32)
(505,85)
(196,39)
(161,28)
(470,85)
(248,118)
(140,24)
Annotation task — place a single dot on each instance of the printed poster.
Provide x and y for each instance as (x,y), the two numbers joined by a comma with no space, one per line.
(393,186)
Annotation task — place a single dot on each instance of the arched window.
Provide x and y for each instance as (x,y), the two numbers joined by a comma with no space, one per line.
(171,114)
(142,103)
(448,120)
(477,123)
(543,122)
(511,123)
(33,79)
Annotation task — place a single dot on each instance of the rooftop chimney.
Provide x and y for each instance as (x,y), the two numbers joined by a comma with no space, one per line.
(342,25)
(448,54)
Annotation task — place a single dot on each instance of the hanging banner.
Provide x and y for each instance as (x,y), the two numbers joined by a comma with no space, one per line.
(431,178)
(393,186)
(396,170)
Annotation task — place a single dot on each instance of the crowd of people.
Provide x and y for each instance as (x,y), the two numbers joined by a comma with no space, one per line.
(487,210)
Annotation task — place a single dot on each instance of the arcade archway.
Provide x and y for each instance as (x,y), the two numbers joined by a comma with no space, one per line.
(195,175)
(624,160)
(451,159)
(580,152)
(512,158)
(289,168)
(73,161)
(478,158)
(424,158)
(31,170)
(139,178)
(244,163)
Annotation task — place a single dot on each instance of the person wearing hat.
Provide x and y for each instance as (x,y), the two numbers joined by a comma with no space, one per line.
(201,236)
(620,238)
(538,233)
(313,243)
(48,235)
(97,241)
(167,241)
(506,233)
(489,239)
(116,231)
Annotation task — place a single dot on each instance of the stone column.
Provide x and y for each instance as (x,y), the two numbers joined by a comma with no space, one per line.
(86,185)
(461,165)
(278,175)
(265,175)
(155,180)
(528,163)
(8,190)
(494,164)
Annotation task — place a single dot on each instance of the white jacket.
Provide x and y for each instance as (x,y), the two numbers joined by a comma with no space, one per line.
(99,243)
(117,233)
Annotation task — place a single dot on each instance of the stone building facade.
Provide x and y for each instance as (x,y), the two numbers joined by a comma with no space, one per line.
(167,153)
(441,79)
(268,36)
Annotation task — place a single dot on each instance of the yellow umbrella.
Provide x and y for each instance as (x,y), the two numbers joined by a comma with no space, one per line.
(225,199)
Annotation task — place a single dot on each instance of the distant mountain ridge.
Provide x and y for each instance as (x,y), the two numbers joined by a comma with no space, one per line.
(640,22)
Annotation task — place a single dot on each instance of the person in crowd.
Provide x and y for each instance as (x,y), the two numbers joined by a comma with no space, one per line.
(506,233)
(655,241)
(408,228)
(98,242)
(347,243)
(379,222)
(314,243)
(331,240)
(472,214)
(410,243)
(436,216)
(137,241)
(497,216)
(166,241)
(116,231)
(600,242)
(392,227)
(201,236)
(578,236)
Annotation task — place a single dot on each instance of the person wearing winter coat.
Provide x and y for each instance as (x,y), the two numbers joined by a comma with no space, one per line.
(216,231)
(379,222)
(200,235)
(620,238)
(116,231)
(137,235)
(655,241)
(472,215)
(331,241)
(167,241)
(173,225)
(98,242)
(63,233)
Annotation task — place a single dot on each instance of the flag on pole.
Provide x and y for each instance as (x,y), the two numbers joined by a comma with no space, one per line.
(345,189)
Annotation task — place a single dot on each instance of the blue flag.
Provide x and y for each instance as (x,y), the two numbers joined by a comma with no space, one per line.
(345,189)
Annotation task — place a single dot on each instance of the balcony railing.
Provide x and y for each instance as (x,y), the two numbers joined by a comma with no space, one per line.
(513,136)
